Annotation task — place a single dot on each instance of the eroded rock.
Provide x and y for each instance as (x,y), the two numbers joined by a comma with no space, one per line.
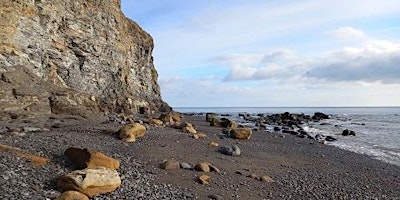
(88,158)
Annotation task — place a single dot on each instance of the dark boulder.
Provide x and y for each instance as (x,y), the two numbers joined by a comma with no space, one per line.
(348,132)
(319,116)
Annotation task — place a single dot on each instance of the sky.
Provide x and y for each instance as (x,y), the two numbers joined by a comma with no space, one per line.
(269,53)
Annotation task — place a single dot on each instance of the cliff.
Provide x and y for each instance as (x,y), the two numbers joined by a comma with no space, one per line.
(74,57)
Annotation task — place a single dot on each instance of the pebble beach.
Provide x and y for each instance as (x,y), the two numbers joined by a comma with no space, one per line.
(297,168)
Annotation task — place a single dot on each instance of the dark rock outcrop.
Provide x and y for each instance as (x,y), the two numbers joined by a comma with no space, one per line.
(74,57)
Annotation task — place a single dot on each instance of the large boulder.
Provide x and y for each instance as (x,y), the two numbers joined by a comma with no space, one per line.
(72,195)
(90,181)
(171,118)
(132,131)
(88,158)
(319,115)
(241,133)
(209,116)
(189,128)
(75,57)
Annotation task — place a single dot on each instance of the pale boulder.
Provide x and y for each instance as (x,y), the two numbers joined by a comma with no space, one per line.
(90,181)
(132,131)
(241,133)
(72,195)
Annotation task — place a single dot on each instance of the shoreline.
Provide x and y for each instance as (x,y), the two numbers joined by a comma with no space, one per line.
(300,168)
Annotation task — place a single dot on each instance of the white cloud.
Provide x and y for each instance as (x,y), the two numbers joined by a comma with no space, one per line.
(372,61)
(375,61)
(348,33)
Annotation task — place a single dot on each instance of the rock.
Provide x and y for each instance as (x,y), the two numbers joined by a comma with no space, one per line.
(31,129)
(228,123)
(348,132)
(267,179)
(88,158)
(189,128)
(34,159)
(72,195)
(132,131)
(330,138)
(231,151)
(185,165)
(209,116)
(90,181)
(202,167)
(156,122)
(171,118)
(254,176)
(215,122)
(236,150)
(276,129)
(75,57)
(225,150)
(204,179)
(170,165)
(215,197)
(241,133)
(199,136)
(213,144)
(318,116)
(213,167)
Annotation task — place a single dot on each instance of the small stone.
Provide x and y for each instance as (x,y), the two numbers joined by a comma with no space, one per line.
(215,197)
(213,144)
(185,165)
(31,129)
(202,167)
(267,179)
(170,165)
(72,195)
(236,150)
(196,136)
(254,176)
(204,179)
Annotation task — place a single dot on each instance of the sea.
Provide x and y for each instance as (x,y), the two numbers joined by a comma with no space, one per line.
(377,128)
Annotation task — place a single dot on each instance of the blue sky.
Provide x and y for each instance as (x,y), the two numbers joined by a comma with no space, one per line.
(274,53)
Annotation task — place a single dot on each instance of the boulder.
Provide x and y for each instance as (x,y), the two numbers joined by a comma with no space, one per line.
(241,133)
(202,167)
(330,138)
(90,181)
(156,122)
(319,115)
(132,131)
(170,165)
(72,195)
(189,128)
(171,118)
(213,144)
(228,123)
(215,122)
(210,116)
(88,158)
(267,179)
(204,179)
(348,132)
(231,151)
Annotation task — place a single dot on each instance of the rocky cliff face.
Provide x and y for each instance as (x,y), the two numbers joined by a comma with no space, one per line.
(75,57)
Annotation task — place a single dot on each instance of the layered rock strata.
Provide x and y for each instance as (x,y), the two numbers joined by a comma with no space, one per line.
(74,57)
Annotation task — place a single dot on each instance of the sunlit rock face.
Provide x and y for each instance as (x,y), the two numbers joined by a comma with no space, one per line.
(74,57)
